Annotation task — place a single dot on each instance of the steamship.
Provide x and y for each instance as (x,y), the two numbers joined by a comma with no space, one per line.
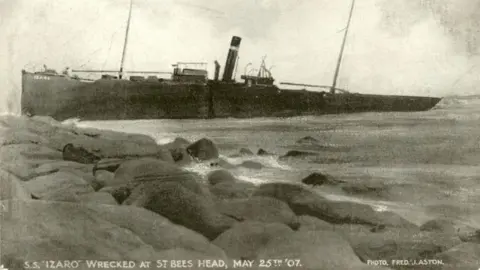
(189,93)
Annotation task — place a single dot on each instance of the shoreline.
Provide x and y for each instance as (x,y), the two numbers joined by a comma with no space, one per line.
(86,193)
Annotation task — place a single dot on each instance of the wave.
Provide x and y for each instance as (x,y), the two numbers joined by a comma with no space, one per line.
(458,102)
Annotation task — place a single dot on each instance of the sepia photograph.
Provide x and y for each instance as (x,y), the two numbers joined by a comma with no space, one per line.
(240,134)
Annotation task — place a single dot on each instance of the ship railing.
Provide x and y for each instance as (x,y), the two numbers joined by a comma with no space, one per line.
(316,86)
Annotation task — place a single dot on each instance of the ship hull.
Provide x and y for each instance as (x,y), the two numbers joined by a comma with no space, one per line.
(63,98)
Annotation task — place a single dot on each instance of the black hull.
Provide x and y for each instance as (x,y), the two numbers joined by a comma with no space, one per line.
(63,98)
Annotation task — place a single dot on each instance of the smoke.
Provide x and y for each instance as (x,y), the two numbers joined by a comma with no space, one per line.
(420,47)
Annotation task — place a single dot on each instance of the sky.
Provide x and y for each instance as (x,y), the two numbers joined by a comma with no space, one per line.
(414,47)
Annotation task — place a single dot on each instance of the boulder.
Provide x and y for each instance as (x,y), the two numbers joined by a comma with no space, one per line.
(61,181)
(14,136)
(182,206)
(56,166)
(181,156)
(262,152)
(177,143)
(251,165)
(297,153)
(318,179)
(220,176)
(377,189)
(120,194)
(263,209)
(203,149)
(245,239)
(303,249)
(439,225)
(29,151)
(78,154)
(305,202)
(35,230)
(135,171)
(12,187)
(233,190)
(245,152)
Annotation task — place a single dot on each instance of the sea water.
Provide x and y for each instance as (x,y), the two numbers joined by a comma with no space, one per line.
(428,162)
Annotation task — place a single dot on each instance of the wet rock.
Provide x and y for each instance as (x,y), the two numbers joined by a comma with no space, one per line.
(233,190)
(78,154)
(377,189)
(318,179)
(310,223)
(11,187)
(263,209)
(57,182)
(220,176)
(251,165)
(304,202)
(307,140)
(181,156)
(203,149)
(311,249)
(245,239)
(297,153)
(262,152)
(182,206)
(245,152)
(463,256)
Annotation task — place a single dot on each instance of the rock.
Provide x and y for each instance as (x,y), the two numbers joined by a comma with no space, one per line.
(55,166)
(305,202)
(262,152)
(220,176)
(35,230)
(470,235)
(463,256)
(64,195)
(245,239)
(203,149)
(439,225)
(98,198)
(307,140)
(310,223)
(318,179)
(251,165)
(105,134)
(109,164)
(263,209)
(224,164)
(103,177)
(181,156)
(78,154)
(245,152)
(61,181)
(378,189)
(108,148)
(14,136)
(30,151)
(297,153)
(233,190)
(395,243)
(120,194)
(312,249)
(12,187)
(182,206)
(135,171)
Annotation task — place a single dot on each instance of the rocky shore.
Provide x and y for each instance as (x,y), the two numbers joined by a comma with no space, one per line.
(71,195)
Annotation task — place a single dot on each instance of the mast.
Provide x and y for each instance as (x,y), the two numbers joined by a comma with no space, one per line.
(120,74)
(339,61)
